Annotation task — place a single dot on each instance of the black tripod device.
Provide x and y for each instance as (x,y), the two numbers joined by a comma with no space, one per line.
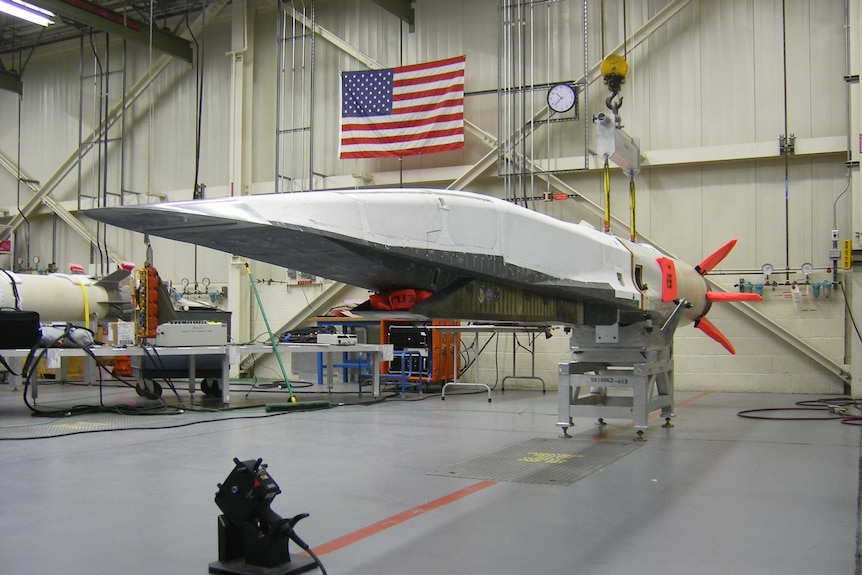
(252,536)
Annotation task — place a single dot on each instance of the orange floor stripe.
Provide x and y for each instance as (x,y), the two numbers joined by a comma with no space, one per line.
(395,520)
(398,519)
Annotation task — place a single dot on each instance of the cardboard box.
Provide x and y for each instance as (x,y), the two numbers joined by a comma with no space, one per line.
(121,333)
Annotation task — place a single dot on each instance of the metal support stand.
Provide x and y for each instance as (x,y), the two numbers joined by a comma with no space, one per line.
(634,362)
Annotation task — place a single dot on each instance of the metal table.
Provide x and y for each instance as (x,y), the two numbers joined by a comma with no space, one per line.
(230,354)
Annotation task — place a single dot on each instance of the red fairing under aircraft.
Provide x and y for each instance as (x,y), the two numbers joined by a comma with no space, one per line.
(477,257)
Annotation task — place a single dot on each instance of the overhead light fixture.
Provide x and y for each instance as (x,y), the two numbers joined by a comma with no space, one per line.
(27,11)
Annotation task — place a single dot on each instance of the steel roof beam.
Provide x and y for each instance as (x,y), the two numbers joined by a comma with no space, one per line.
(99,18)
(401,8)
(42,195)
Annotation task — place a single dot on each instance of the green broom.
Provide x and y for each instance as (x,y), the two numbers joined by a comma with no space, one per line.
(320,404)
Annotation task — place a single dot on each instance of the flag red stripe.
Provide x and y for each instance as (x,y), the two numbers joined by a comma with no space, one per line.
(402,123)
(399,82)
(427,93)
(428,107)
(429,65)
(403,152)
(403,138)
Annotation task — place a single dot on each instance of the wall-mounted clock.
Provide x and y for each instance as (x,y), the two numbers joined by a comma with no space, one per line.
(562,98)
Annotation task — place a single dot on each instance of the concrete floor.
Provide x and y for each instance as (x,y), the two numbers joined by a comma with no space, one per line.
(716,493)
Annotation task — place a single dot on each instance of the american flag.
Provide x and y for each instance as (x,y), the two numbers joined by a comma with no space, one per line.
(403,111)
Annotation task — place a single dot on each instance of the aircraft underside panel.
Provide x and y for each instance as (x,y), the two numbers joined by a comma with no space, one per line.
(350,260)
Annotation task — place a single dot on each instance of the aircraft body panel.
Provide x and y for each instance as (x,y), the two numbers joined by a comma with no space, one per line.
(435,240)
(390,239)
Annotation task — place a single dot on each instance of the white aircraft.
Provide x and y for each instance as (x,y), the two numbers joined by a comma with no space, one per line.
(464,255)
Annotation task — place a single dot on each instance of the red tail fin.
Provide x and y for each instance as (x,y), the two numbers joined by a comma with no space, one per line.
(706,327)
(714,258)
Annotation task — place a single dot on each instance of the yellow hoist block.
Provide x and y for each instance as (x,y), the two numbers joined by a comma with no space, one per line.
(614,65)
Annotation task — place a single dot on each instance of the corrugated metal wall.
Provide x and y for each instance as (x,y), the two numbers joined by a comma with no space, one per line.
(708,85)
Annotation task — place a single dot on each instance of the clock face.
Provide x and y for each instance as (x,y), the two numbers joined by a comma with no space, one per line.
(767,269)
(807,268)
(561,98)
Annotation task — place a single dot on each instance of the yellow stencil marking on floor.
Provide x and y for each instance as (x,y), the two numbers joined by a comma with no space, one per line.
(80,424)
(555,458)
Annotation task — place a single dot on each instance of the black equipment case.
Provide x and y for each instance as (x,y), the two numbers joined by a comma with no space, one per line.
(19,329)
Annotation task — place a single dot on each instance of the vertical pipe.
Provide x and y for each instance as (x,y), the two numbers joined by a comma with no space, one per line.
(519,118)
(548,76)
(311,105)
(103,116)
(18,184)
(502,95)
(104,106)
(123,128)
(290,95)
(54,238)
(302,103)
(280,25)
(513,100)
(500,53)
(509,98)
(80,119)
(786,153)
(528,163)
(290,103)
(401,63)
(849,136)
(847,82)
(632,208)
(522,120)
(585,95)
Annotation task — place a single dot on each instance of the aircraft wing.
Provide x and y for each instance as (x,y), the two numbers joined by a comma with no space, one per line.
(312,233)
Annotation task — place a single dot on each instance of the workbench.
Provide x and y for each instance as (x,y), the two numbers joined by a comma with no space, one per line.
(229,353)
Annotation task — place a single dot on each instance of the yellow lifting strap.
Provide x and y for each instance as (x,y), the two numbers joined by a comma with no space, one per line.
(86,303)
(606,182)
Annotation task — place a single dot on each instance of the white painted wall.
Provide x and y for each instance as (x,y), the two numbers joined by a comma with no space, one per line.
(706,86)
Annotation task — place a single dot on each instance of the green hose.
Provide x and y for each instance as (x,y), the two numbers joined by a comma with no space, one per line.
(269,331)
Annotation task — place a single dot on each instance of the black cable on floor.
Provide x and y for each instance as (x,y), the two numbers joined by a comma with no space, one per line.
(832,408)
(66,338)
(148,428)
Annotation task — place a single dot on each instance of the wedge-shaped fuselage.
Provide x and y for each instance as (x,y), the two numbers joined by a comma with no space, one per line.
(482,257)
